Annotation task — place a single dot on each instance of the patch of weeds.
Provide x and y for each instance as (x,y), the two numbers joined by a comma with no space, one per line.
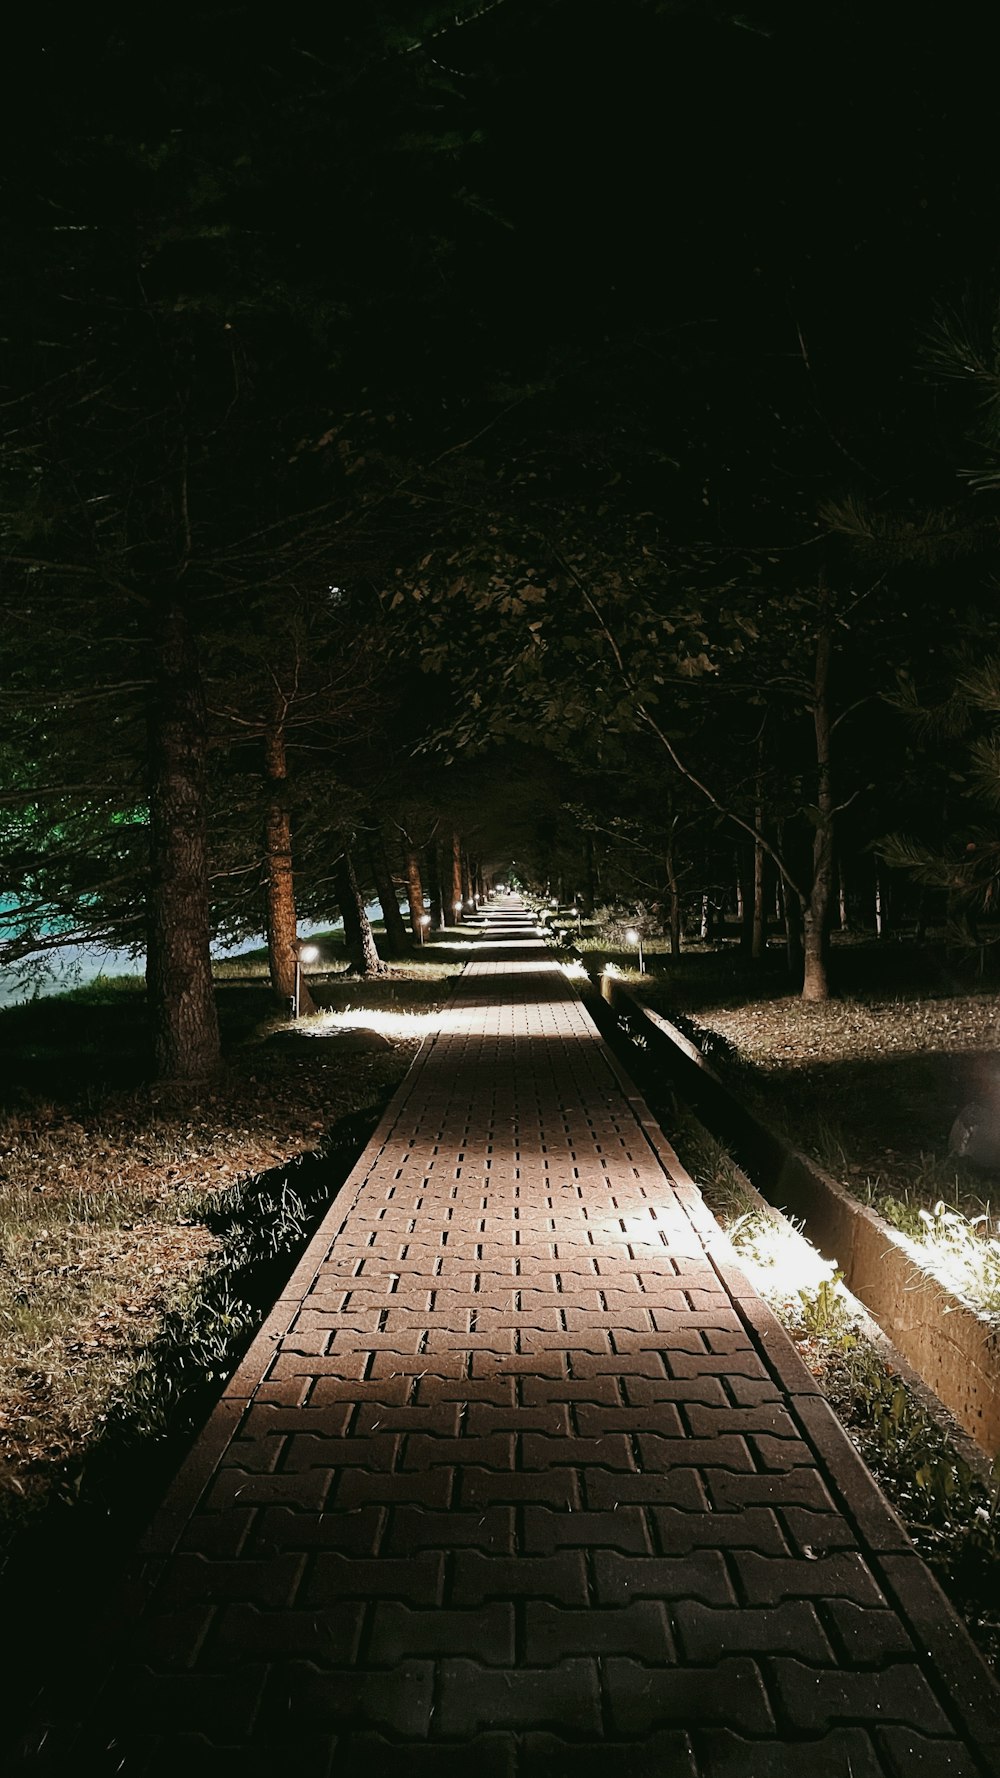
(899,1213)
(951,1513)
(824,1313)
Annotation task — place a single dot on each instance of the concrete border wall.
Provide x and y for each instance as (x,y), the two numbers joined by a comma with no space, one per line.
(954,1349)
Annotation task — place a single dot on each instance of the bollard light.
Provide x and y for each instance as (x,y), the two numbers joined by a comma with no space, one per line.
(303,954)
(634,937)
(423,921)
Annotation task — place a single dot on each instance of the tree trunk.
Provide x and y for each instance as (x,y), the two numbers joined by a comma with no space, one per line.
(359,939)
(455,910)
(183,1018)
(434,886)
(279,886)
(816,914)
(745,899)
(758,930)
(589,876)
(396,942)
(673,900)
(705,926)
(791,908)
(415,892)
(468,894)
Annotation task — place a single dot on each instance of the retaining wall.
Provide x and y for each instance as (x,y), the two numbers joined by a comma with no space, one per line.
(954,1349)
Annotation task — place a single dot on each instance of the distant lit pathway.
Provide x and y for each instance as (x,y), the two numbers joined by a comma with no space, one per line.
(521,1477)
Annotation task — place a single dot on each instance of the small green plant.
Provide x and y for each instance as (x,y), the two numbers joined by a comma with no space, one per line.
(823,1311)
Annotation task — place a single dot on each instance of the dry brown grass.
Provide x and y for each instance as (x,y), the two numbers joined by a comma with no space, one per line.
(103,1196)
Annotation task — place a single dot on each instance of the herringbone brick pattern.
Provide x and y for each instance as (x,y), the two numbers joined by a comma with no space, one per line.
(521,1479)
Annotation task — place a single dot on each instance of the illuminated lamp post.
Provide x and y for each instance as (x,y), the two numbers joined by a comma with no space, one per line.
(423,921)
(634,937)
(303,954)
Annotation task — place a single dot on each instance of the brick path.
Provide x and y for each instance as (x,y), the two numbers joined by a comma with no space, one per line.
(521,1478)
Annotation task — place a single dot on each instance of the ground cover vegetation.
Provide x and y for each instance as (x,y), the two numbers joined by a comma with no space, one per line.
(141,1239)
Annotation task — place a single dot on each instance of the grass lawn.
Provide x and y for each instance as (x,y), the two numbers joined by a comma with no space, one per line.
(141,1231)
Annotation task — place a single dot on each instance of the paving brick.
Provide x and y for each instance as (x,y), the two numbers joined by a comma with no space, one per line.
(843,1575)
(800,1487)
(707,1633)
(643,1391)
(866,1637)
(611,1451)
(373,1756)
(664,1453)
(703,1575)
(363,1487)
(266,1581)
(267,1420)
(552,1633)
(909,1755)
(619,1364)
(604,1490)
(567,1697)
(643,1698)
(477,1578)
(218,1534)
(413,1528)
(691,1360)
(663,1417)
(236,1487)
(422,1451)
(484,1633)
(418,1580)
(779,1453)
(500,1391)
(549,1417)
(327,1637)
(813,1533)
(812,1702)
(537,1391)
(398,1701)
(755,1528)
(546,1531)
(441,1419)
(847,1753)
(488,1487)
(665,1755)
(766,1417)
(749,1391)
(356,1533)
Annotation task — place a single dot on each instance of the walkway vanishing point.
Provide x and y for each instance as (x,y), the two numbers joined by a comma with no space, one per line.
(521,1479)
